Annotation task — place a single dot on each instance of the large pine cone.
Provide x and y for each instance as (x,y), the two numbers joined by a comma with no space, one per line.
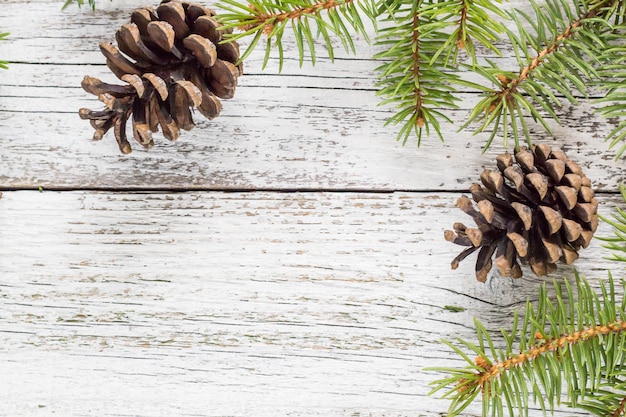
(538,208)
(179,63)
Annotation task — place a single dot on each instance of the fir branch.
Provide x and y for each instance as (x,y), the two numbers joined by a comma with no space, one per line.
(543,347)
(575,341)
(613,104)
(271,18)
(423,38)
(566,47)
(617,243)
(419,88)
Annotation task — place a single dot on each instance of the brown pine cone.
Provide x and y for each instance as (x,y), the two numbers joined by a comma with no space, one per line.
(179,64)
(537,208)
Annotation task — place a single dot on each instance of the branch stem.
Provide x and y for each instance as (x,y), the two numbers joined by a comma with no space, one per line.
(510,86)
(494,370)
(417,91)
(460,39)
(268,20)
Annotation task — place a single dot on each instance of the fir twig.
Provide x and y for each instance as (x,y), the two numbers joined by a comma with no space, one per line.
(575,341)
(421,39)
(408,80)
(613,104)
(617,243)
(273,18)
(565,46)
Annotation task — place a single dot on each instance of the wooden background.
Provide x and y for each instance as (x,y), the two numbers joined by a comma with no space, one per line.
(284,259)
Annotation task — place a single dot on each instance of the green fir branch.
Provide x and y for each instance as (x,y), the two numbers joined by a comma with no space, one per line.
(613,104)
(408,79)
(617,242)
(304,17)
(559,49)
(572,343)
(422,39)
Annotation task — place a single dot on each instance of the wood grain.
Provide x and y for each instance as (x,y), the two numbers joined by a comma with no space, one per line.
(259,303)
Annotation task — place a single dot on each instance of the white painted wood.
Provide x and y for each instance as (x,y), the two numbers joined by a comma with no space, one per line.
(257,303)
(245,304)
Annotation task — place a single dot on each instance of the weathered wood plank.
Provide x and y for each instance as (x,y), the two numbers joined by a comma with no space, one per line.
(265,304)
(304,129)
(259,142)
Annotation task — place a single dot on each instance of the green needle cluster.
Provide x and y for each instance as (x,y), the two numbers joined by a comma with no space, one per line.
(562,47)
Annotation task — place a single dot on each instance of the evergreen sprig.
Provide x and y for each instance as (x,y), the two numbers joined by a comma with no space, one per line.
(571,343)
(421,39)
(4,64)
(617,242)
(560,49)
(308,19)
(613,104)
(408,79)
(464,23)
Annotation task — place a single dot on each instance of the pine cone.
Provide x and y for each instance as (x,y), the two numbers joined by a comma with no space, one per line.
(179,63)
(538,208)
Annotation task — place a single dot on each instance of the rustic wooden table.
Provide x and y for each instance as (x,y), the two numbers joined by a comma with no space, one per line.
(284,259)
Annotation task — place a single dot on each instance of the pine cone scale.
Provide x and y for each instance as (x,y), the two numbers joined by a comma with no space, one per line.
(568,196)
(203,49)
(196,11)
(222,79)
(174,14)
(539,183)
(572,230)
(136,82)
(162,35)
(207,27)
(158,84)
(130,43)
(553,218)
(116,60)
(555,168)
